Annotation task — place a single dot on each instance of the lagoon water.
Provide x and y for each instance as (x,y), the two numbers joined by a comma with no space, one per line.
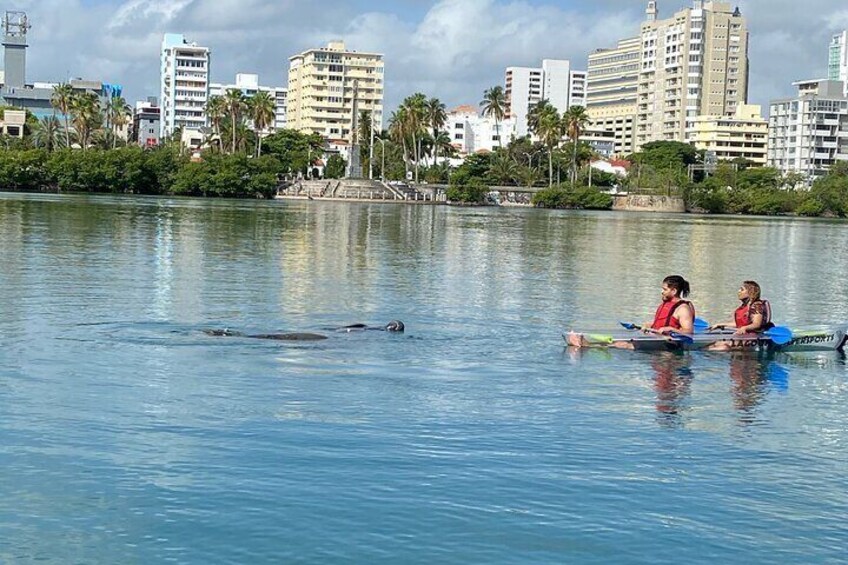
(127,435)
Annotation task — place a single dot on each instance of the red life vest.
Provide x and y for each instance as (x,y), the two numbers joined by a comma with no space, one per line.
(742,315)
(665,315)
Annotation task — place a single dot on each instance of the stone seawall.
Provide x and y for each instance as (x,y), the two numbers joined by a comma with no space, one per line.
(648,203)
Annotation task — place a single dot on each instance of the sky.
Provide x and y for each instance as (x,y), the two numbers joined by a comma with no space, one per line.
(450,49)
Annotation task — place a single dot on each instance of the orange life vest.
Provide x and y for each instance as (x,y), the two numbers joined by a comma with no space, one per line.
(742,315)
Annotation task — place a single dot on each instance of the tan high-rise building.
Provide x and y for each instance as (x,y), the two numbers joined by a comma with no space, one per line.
(741,136)
(692,64)
(327,85)
(613,80)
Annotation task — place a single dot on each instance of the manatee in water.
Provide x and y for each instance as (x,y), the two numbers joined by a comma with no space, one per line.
(393,326)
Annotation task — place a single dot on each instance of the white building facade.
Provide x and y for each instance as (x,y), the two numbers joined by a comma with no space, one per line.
(248,84)
(472,133)
(184,84)
(555,81)
(809,133)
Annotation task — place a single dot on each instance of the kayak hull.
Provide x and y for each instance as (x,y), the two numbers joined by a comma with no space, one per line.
(826,338)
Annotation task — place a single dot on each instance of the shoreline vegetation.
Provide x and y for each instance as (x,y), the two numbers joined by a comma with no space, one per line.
(86,155)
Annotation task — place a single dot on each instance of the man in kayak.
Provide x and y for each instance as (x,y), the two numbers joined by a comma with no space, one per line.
(674,314)
(753,315)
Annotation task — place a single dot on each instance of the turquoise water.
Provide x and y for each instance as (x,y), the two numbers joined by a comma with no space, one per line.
(128,435)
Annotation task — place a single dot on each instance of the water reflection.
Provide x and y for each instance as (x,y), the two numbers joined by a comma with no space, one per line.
(752,377)
(672,383)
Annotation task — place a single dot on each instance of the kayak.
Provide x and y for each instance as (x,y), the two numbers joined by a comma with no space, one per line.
(820,338)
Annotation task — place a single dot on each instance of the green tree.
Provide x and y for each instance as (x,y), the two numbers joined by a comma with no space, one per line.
(216,110)
(436,119)
(262,108)
(575,120)
(494,105)
(119,113)
(87,116)
(63,100)
(335,168)
(47,133)
(235,103)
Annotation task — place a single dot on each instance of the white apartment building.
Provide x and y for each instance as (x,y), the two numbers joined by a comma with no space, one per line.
(809,133)
(471,133)
(328,85)
(248,84)
(555,81)
(523,90)
(184,84)
(692,64)
(837,61)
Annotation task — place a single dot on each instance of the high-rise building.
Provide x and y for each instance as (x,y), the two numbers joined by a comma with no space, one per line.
(523,90)
(837,62)
(807,133)
(741,136)
(555,81)
(248,84)
(328,85)
(692,64)
(184,84)
(612,85)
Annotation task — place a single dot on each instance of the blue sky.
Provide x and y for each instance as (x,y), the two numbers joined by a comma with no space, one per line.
(452,49)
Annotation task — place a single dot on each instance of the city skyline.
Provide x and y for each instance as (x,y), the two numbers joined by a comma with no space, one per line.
(452,49)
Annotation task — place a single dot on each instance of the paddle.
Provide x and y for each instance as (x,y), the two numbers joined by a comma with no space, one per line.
(701,324)
(683,338)
(780,335)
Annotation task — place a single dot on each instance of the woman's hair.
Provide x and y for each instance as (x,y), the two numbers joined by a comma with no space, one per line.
(753,290)
(678,283)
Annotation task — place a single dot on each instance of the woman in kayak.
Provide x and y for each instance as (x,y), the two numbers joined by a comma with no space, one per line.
(674,313)
(753,315)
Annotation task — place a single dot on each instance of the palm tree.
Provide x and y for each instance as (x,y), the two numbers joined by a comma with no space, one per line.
(119,113)
(416,115)
(575,121)
(364,138)
(62,100)
(444,144)
(549,129)
(235,103)
(216,109)
(494,105)
(537,111)
(263,110)
(86,116)
(436,118)
(46,134)
(398,123)
(503,169)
